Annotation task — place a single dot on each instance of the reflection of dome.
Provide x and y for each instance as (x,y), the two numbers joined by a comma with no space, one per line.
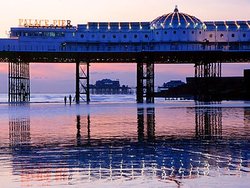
(176,20)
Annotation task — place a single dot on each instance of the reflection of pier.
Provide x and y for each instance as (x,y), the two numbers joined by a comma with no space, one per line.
(80,123)
(149,121)
(208,122)
(19,130)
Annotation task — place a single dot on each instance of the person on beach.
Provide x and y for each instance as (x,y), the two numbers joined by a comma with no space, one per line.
(65,100)
(70,99)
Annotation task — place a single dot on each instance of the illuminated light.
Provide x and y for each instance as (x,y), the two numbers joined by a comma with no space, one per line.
(179,23)
(227,26)
(238,26)
(130,26)
(162,25)
(204,26)
(248,25)
(140,27)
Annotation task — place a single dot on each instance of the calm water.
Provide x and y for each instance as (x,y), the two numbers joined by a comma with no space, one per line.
(107,144)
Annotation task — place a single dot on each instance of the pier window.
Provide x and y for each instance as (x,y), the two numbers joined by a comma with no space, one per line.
(165,32)
(184,32)
(211,35)
(82,35)
(52,34)
(135,36)
(192,32)
(233,35)
(221,35)
(174,32)
(146,36)
(114,36)
(244,35)
(125,36)
(103,36)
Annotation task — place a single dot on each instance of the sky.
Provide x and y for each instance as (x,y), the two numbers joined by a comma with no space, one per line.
(60,78)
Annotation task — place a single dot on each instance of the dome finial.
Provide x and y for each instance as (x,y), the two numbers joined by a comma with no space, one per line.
(176,9)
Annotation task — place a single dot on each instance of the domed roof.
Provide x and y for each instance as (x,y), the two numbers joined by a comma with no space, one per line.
(176,20)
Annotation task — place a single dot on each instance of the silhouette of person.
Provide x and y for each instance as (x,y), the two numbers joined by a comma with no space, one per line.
(70,99)
(65,100)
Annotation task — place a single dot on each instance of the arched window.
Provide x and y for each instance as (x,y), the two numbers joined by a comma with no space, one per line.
(233,35)
(135,36)
(174,32)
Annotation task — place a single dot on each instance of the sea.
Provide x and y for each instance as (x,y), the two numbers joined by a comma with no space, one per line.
(115,142)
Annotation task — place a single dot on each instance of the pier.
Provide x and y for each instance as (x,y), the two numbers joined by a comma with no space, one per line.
(173,38)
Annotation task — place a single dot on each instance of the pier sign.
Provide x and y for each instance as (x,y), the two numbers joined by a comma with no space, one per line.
(44,23)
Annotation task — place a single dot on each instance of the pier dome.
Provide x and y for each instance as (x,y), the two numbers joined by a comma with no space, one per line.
(176,20)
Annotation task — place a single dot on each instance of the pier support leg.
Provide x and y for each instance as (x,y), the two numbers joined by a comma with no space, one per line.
(139,90)
(82,82)
(19,82)
(150,83)
(207,81)
(145,82)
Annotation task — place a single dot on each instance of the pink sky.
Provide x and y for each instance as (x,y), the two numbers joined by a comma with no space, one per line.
(54,77)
